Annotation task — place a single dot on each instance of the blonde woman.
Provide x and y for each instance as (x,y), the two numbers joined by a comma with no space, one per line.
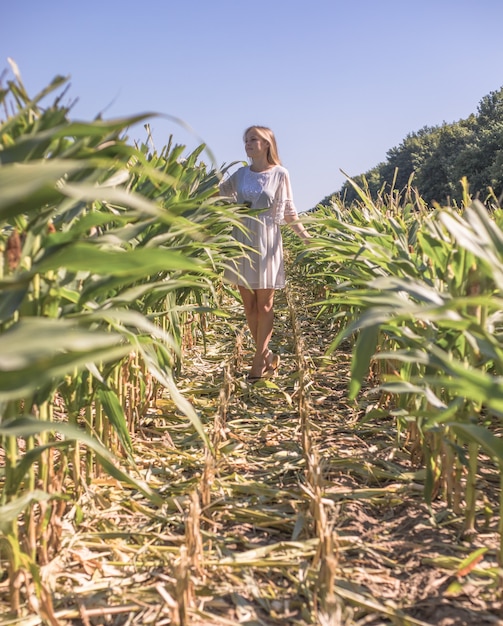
(264,184)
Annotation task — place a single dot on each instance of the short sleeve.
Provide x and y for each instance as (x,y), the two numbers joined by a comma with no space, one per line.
(228,187)
(283,202)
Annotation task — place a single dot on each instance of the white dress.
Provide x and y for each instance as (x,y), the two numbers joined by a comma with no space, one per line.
(271,191)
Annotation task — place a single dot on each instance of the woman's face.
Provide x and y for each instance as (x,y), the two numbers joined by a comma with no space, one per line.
(255,146)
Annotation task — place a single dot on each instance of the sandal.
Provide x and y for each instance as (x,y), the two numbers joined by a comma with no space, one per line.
(269,371)
(254,379)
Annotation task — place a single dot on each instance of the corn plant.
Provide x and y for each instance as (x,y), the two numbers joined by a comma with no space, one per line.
(106,248)
(419,291)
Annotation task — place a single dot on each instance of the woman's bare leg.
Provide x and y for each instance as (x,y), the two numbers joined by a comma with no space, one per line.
(259,310)
(249,299)
(265,320)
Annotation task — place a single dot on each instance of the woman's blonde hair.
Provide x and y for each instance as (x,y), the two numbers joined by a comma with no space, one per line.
(267,135)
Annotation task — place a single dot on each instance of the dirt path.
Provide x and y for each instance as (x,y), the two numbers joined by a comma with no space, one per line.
(277,527)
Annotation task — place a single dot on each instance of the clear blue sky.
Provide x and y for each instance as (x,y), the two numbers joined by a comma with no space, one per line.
(339,81)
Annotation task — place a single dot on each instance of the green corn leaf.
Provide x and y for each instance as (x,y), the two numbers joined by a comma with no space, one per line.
(28,186)
(27,426)
(115,414)
(10,512)
(36,351)
(18,473)
(492,444)
(364,350)
(87,257)
(471,561)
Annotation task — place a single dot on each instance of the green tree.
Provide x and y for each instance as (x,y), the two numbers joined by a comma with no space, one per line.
(437,158)
(438,177)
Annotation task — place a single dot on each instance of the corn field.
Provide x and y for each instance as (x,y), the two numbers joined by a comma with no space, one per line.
(144,481)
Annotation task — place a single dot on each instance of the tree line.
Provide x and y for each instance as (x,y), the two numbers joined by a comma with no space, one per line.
(435,159)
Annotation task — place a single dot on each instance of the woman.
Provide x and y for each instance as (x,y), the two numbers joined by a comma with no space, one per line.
(264,184)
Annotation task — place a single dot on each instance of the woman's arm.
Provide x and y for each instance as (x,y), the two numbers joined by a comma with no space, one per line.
(297,226)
